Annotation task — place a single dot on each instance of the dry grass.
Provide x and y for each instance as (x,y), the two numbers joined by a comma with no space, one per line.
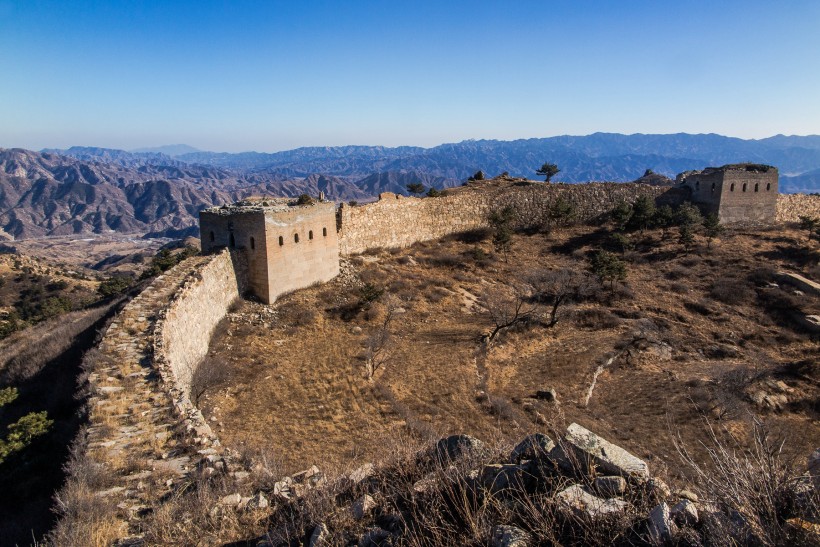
(299,391)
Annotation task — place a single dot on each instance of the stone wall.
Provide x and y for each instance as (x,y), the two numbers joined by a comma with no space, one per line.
(397,221)
(790,207)
(184,328)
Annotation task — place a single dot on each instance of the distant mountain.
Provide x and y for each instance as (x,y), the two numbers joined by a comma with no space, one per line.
(600,156)
(171,150)
(807,183)
(113,156)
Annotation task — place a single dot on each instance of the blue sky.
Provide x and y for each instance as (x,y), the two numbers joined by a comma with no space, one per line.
(267,76)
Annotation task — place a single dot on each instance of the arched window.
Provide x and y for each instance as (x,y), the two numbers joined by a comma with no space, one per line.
(212,237)
(697,185)
(281,241)
(233,241)
(713,187)
(310,234)
(324,232)
(732,187)
(296,238)
(744,186)
(768,186)
(757,187)
(253,244)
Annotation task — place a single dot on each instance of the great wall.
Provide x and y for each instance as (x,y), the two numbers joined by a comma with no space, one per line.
(142,426)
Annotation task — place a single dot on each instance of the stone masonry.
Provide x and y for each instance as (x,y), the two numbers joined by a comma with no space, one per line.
(737,193)
(286,246)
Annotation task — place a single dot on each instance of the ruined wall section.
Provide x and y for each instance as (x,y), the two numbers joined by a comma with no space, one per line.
(397,221)
(790,207)
(142,430)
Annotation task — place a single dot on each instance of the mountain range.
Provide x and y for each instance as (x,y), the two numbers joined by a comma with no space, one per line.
(159,191)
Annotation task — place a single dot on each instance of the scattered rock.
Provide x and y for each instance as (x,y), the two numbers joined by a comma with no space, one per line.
(609,486)
(684,513)
(363,506)
(582,502)
(687,495)
(362,473)
(657,490)
(546,395)
(532,447)
(609,458)
(455,446)
(259,501)
(814,466)
(498,477)
(231,500)
(320,536)
(510,536)
(661,527)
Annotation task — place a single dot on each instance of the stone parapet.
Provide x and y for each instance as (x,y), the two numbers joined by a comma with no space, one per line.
(790,207)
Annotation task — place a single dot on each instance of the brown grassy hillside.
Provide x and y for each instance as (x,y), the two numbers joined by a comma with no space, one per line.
(691,335)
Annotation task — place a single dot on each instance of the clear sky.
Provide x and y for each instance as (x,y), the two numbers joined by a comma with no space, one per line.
(269,75)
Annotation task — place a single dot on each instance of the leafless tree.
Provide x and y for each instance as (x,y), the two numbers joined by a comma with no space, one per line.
(508,305)
(559,287)
(379,345)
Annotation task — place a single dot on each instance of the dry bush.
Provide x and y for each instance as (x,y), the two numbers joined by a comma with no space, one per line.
(85,518)
(753,490)
(733,291)
(596,318)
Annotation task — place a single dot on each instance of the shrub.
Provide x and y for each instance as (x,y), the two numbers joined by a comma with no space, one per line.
(304,199)
(433,193)
(23,431)
(608,267)
(115,285)
(731,291)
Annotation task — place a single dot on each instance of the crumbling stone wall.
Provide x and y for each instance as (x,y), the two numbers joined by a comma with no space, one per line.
(397,221)
(790,207)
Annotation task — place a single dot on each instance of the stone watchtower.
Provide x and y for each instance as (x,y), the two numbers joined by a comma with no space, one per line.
(736,193)
(287,246)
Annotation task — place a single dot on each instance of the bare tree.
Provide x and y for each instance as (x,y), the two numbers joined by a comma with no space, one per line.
(559,287)
(379,345)
(508,305)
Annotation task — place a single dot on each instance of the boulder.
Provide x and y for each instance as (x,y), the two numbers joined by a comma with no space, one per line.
(498,477)
(582,502)
(661,526)
(684,513)
(362,473)
(456,446)
(609,486)
(375,537)
(320,536)
(687,495)
(231,499)
(510,536)
(363,506)
(259,501)
(589,448)
(548,395)
(532,447)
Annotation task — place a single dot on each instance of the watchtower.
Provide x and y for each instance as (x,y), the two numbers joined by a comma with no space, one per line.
(737,193)
(288,246)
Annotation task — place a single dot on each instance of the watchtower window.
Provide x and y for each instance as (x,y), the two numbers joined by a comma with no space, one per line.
(233,241)
(744,186)
(713,187)
(757,187)
(212,237)
(732,187)
(253,244)
(310,234)
(697,185)
(281,241)
(324,232)
(768,186)
(296,238)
